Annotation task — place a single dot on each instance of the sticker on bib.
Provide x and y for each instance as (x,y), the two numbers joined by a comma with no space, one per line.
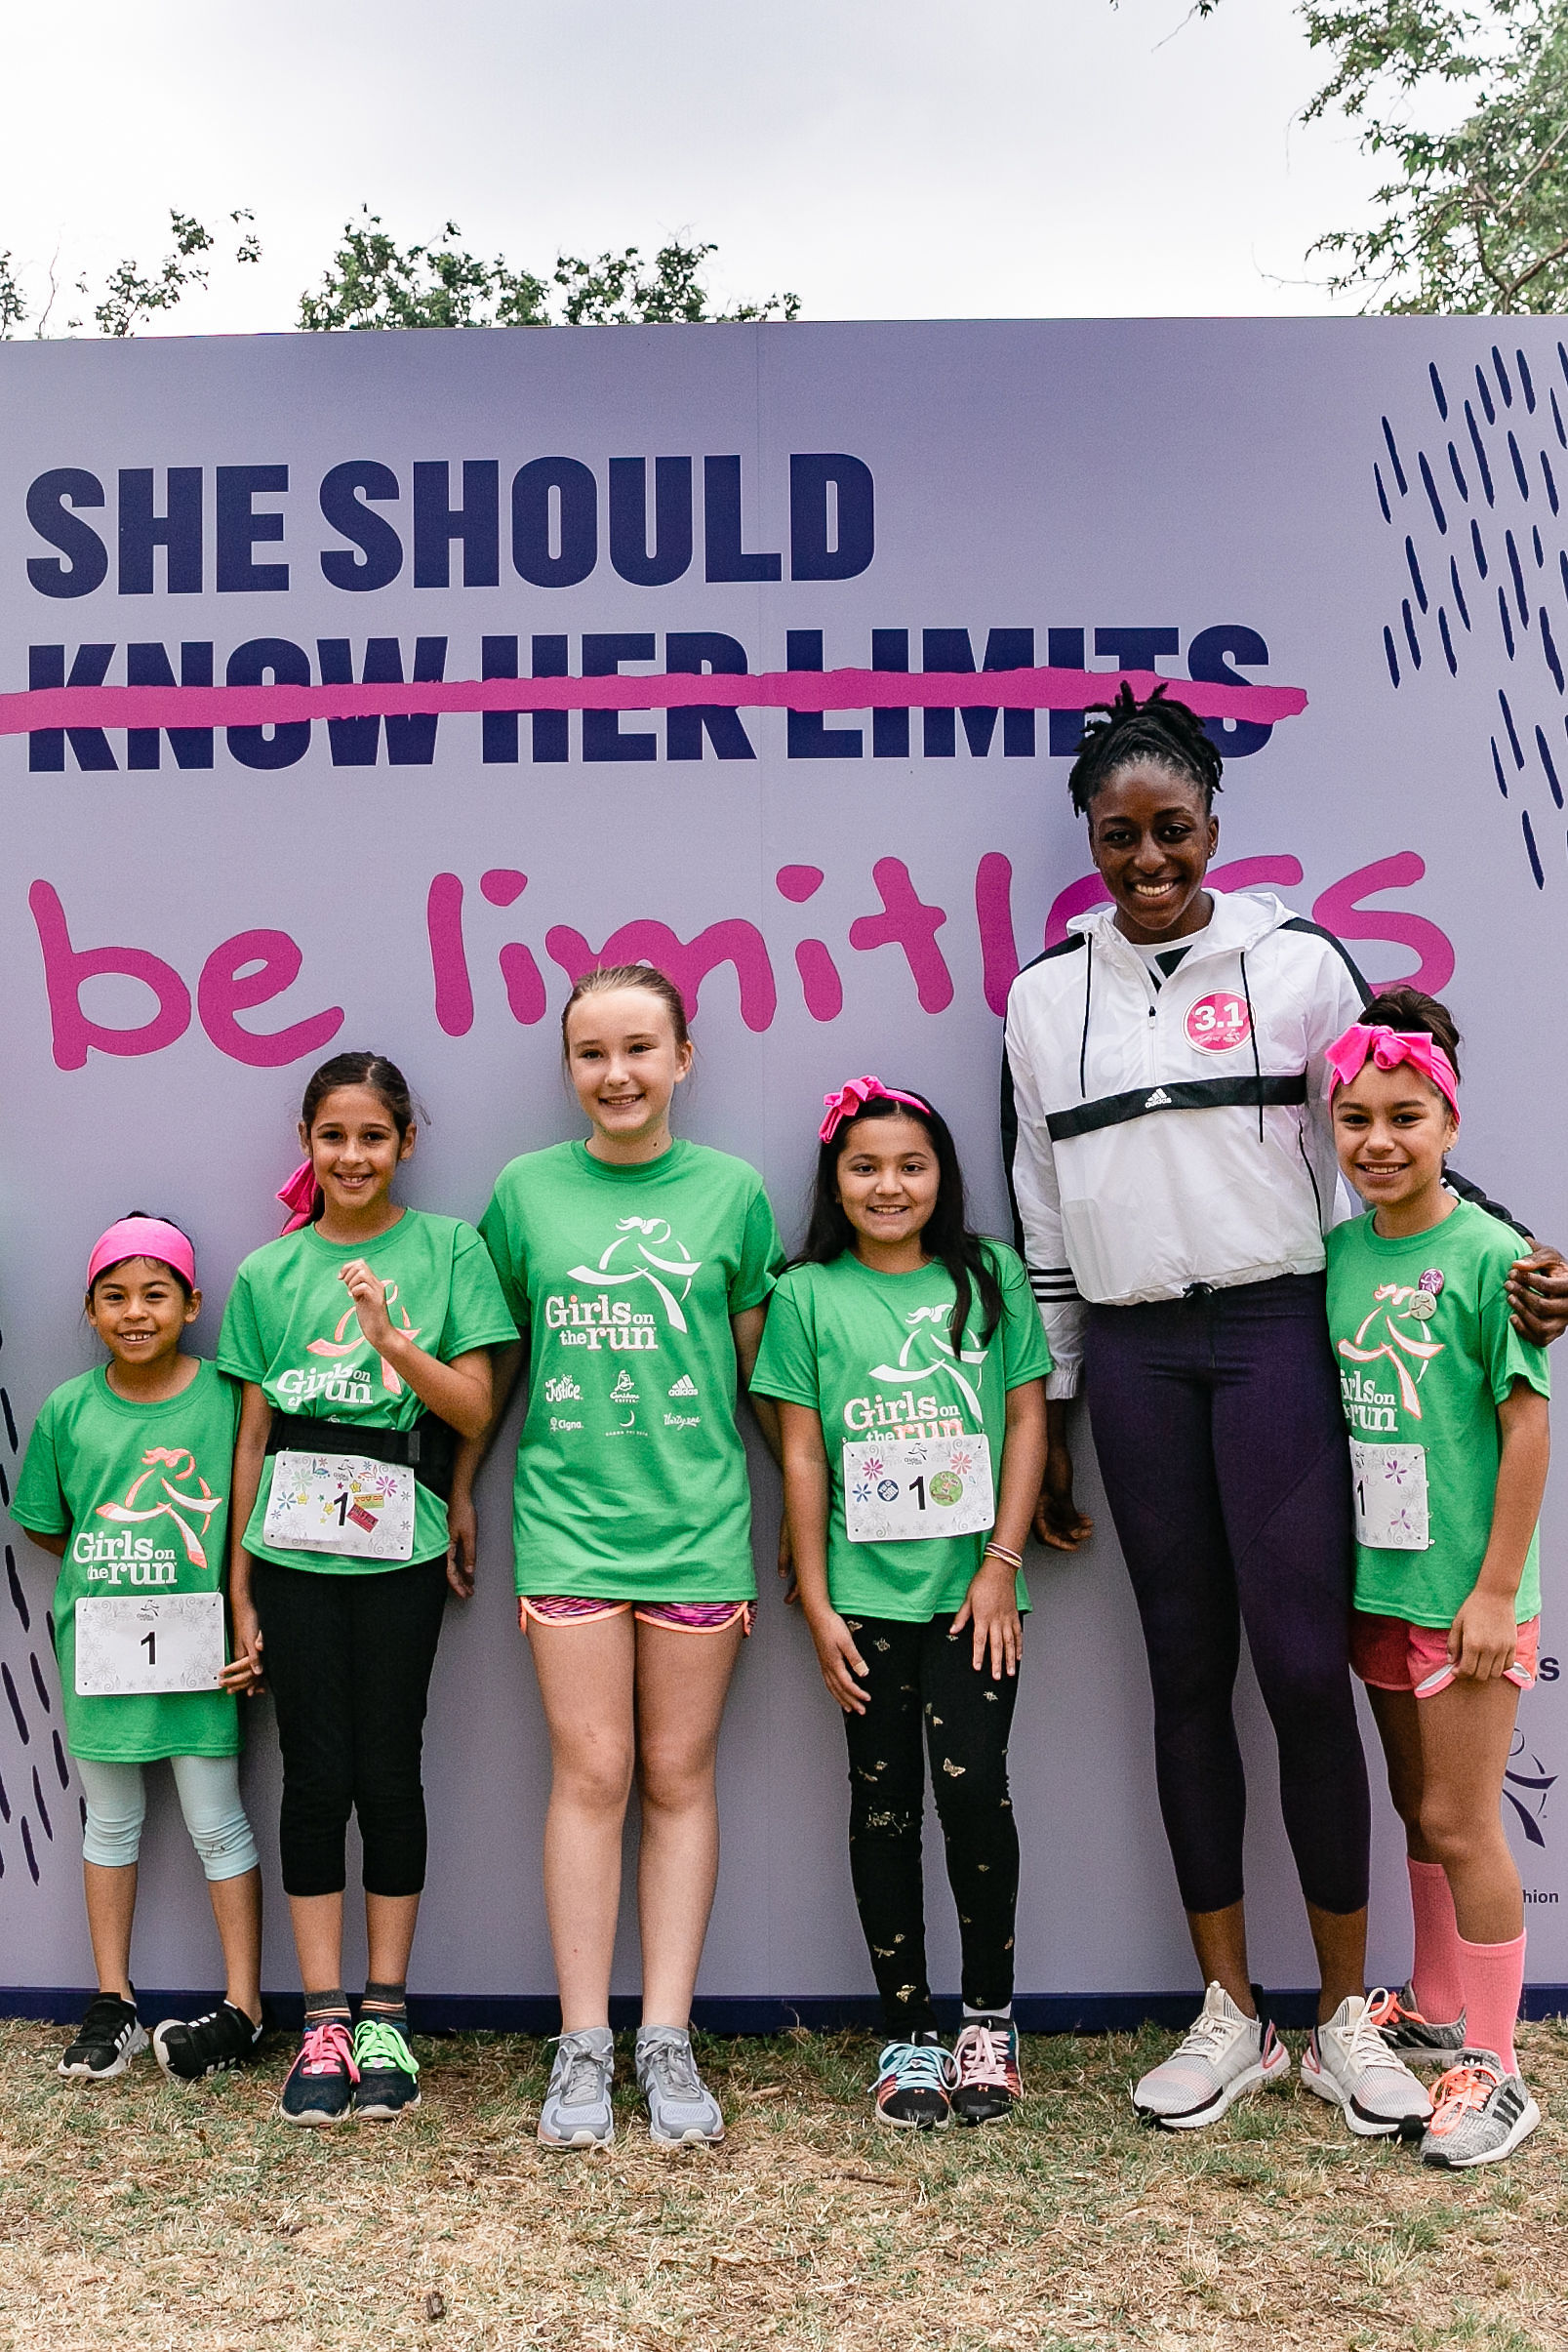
(344,1503)
(1388,1489)
(909,1489)
(131,1644)
(1219,1021)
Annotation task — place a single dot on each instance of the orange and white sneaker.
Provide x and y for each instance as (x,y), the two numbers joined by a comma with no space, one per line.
(1479,2114)
(985,2054)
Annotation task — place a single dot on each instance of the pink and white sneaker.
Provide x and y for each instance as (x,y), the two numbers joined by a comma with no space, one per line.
(985,2054)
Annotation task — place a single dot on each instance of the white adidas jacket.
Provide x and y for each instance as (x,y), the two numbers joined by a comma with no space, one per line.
(1176,1135)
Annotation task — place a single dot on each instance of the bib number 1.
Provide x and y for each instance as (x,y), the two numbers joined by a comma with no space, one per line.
(1388,1489)
(343,1503)
(130,1646)
(910,1489)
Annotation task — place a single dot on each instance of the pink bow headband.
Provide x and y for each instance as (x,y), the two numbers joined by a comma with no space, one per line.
(143,1237)
(1388,1047)
(852,1098)
(299,1195)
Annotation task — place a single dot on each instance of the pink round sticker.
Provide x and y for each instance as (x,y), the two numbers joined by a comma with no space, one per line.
(1217,1023)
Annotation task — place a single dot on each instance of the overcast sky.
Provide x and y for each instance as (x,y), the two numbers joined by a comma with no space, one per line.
(883,158)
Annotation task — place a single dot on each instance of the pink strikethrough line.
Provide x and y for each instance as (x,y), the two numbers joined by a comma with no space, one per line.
(769,690)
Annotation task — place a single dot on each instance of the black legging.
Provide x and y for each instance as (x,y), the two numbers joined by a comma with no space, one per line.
(1221,1444)
(348,1662)
(921,1670)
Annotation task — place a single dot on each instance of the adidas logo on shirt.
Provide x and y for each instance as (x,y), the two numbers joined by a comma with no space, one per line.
(685,1386)
(623,1392)
(1159,1100)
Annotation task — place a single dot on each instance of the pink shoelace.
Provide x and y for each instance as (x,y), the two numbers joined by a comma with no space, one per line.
(1458,2093)
(983,2057)
(327,2050)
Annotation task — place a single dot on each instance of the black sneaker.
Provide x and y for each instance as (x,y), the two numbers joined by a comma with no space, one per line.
(914,2085)
(388,2071)
(985,2055)
(225,2038)
(320,2088)
(110,2036)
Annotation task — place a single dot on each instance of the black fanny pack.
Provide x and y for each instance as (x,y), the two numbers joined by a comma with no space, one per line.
(429,1448)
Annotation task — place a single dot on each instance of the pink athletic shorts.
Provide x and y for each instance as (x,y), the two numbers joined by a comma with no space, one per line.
(680,1616)
(1392,1655)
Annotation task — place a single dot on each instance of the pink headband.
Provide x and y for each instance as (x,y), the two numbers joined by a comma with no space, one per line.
(143,1237)
(1388,1047)
(299,1195)
(852,1098)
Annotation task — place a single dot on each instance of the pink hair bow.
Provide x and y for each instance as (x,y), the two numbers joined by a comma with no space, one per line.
(1388,1047)
(852,1098)
(299,1195)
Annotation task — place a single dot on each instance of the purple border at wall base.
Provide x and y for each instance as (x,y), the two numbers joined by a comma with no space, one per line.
(470,2013)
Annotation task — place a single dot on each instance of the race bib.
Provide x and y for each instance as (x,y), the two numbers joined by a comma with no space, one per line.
(343,1503)
(1389,1484)
(135,1644)
(910,1488)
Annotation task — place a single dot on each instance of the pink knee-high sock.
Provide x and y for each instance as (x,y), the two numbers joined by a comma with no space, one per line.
(1494,1980)
(1436,1975)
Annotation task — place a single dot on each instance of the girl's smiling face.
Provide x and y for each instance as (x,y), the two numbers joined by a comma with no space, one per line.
(354,1149)
(888,1181)
(140,1311)
(624,1063)
(1391,1130)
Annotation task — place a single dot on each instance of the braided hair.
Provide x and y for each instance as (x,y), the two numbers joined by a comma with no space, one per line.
(1164,732)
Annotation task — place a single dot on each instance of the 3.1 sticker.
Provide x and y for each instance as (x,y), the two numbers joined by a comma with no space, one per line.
(1217,1023)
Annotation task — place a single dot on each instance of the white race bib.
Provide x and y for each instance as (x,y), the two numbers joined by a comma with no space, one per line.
(343,1503)
(1389,1484)
(142,1643)
(906,1489)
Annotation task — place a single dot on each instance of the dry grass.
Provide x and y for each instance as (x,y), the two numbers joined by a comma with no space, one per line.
(138,2214)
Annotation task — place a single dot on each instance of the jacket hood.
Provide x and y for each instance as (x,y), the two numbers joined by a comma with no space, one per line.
(1240,918)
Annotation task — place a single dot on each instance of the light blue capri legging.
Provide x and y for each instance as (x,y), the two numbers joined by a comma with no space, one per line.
(209,1792)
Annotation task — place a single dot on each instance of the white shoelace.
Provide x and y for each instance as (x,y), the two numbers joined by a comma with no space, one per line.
(584,2079)
(1364,2040)
(675,2067)
(983,2054)
(1208,2036)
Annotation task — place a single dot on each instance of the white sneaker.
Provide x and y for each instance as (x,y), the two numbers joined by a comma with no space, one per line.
(1480,2114)
(1348,2062)
(1224,2054)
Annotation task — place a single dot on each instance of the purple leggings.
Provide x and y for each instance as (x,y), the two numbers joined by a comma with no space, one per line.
(1221,1444)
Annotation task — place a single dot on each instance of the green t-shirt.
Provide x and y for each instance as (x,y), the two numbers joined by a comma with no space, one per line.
(142,1490)
(290,1328)
(1433,1377)
(631,1476)
(871,1353)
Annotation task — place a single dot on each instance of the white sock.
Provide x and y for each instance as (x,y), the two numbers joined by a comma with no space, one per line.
(1005,2012)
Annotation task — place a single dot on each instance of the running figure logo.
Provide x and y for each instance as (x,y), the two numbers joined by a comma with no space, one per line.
(656,1236)
(1399,1344)
(180,1499)
(391,1381)
(936,1340)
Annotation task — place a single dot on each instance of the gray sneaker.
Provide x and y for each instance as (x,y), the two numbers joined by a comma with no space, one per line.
(576,2112)
(681,2109)
(1412,2037)
(1479,2114)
